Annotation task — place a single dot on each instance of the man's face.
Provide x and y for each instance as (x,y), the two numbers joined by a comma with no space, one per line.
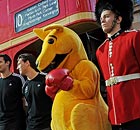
(3,65)
(22,66)
(108,21)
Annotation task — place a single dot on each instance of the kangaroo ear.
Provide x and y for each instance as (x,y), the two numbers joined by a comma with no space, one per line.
(58,27)
(40,33)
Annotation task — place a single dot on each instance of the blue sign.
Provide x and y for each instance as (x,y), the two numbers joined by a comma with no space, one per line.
(138,1)
(40,12)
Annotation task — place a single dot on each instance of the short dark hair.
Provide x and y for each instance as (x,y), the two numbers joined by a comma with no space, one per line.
(29,57)
(6,58)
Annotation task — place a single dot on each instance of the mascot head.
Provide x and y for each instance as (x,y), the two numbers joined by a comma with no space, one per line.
(123,8)
(62,48)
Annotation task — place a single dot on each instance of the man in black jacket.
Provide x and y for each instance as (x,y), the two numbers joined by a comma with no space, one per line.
(12,115)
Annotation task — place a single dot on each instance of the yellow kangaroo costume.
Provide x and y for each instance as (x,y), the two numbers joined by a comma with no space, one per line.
(82,107)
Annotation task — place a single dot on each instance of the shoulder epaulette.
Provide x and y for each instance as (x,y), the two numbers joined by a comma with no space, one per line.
(42,73)
(131,30)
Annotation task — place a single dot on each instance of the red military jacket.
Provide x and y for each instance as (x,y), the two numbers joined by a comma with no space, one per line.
(117,57)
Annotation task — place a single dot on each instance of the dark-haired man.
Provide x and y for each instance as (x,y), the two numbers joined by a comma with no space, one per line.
(39,104)
(12,115)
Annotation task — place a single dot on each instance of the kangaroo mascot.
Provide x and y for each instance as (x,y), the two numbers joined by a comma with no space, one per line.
(73,82)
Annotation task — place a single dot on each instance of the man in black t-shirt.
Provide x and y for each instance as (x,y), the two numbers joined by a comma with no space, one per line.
(12,115)
(39,104)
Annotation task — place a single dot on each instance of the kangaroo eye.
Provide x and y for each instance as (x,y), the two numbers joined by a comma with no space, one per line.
(50,41)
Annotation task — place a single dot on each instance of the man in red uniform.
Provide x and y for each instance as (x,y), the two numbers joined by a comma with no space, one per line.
(119,61)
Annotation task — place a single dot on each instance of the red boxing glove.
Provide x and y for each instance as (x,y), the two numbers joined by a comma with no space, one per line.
(59,78)
(51,91)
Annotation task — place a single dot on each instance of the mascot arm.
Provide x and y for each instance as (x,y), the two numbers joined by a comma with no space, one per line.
(58,79)
(86,80)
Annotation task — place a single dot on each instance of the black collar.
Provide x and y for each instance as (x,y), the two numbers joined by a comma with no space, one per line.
(115,35)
